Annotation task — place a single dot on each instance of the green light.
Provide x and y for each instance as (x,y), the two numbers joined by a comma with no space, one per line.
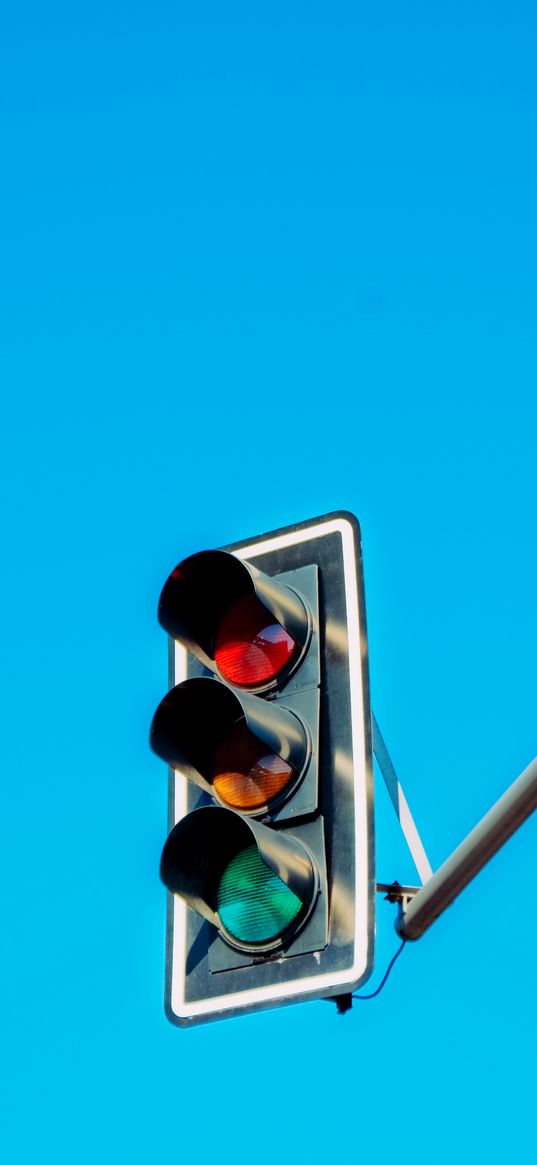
(253,903)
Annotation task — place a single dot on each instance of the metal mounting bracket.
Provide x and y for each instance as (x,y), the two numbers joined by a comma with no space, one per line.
(420,906)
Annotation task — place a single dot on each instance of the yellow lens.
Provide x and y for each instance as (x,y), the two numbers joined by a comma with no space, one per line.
(245,775)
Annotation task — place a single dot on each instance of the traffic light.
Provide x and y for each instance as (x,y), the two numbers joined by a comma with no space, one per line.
(266,731)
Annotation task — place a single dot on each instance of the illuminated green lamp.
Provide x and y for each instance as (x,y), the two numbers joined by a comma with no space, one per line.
(254,904)
(256,885)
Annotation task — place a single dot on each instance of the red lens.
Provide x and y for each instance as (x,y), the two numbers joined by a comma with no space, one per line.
(251,647)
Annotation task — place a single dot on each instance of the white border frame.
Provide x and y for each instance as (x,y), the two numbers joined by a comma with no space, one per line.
(313,985)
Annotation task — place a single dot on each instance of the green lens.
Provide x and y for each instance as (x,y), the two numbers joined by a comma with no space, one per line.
(253,903)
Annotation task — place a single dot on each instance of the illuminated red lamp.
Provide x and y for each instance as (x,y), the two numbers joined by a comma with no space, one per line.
(250,646)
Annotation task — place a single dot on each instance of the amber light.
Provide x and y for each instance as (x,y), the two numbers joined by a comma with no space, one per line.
(250,646)
(247,775)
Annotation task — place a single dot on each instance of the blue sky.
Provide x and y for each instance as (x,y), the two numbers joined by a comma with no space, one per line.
(260,263)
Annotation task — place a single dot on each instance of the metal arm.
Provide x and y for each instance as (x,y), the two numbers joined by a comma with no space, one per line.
(471,855)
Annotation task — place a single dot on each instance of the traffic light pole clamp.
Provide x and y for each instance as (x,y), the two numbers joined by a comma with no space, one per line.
(420,906)
(488,836)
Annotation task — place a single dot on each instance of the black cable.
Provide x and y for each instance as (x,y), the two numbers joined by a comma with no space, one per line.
(390,965)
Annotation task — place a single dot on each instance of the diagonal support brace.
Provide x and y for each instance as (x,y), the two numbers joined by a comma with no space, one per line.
(400,805)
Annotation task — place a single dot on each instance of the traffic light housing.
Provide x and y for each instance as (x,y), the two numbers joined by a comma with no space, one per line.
(266,731)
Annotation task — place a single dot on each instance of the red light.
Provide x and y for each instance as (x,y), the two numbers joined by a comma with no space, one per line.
(251,647)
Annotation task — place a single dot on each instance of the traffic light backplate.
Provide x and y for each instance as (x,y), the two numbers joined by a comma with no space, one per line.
(330,814)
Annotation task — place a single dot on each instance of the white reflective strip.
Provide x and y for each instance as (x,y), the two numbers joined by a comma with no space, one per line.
(353,973)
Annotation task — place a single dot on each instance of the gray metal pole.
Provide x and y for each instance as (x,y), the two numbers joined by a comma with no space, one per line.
(471,855)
